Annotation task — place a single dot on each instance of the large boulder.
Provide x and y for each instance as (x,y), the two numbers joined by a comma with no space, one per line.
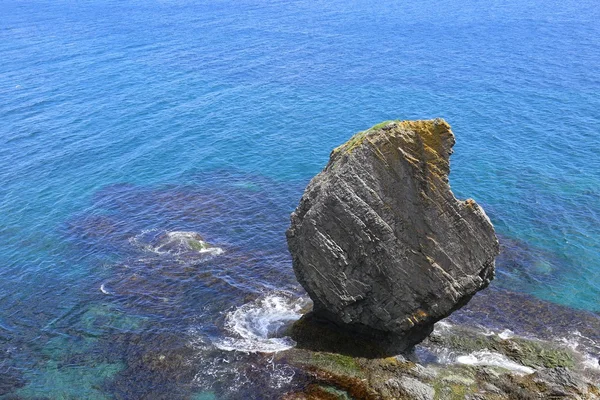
(379,241)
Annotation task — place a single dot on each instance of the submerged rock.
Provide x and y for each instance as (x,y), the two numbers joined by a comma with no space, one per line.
(180,242)
(379,241)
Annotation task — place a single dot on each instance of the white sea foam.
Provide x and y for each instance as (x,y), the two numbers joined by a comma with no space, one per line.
(582,345)
(506,334)
(174,243)
(486,357)
(442,326)
(219,369)
(481,357)
(255,326)
(178,242)
(142,239)
(577,341)
(486,331)
(590,362)
(103,289)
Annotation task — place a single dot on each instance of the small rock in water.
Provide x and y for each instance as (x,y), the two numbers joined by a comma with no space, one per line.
(379,241)
(178,242)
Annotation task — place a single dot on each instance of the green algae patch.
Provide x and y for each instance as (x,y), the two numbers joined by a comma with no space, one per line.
(343,373)
(351,377)
(318,391)
(528,352)
(382,124)
(359,137)
(326,392)
(537,354)
(337,363)
(444,391)
(351,144)
(198,245)
(433,144)
(455,383)
(330,362)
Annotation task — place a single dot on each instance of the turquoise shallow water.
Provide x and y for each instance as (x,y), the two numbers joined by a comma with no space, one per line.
(123,121)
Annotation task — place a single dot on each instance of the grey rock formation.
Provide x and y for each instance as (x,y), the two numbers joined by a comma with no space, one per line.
(379,241)
(562,383)
(413,388)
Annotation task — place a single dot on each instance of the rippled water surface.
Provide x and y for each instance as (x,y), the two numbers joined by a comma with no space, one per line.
(151,152)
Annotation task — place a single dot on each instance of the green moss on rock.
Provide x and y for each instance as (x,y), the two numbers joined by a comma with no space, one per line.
(359,137)
(198,245)
(533,353)
(528,352)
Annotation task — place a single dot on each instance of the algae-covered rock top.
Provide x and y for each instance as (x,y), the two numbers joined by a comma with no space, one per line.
(379,241)
(434,147)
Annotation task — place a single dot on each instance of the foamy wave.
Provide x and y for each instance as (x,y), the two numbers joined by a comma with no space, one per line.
(590,362)
(174,243)
(583,345)
(442,326)
(280,374)
(103,289)
(254,327)
(481,357)
(584,349)
(506,334)
(486,357)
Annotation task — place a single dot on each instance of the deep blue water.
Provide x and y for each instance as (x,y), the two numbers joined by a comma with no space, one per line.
(124,121)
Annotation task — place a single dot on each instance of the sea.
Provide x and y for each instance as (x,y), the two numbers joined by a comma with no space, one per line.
(151,152)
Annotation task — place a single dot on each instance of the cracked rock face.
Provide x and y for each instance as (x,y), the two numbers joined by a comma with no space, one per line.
(379,241)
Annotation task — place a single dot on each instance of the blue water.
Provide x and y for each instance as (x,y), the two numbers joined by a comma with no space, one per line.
(123,121)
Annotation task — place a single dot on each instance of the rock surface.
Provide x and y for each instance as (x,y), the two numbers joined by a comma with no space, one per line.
(379,241)
(497,375)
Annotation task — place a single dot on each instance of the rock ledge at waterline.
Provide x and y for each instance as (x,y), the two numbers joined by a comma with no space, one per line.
(379,241)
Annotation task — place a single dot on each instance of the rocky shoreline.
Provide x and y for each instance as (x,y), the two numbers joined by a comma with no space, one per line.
(385,251)
(455,362)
